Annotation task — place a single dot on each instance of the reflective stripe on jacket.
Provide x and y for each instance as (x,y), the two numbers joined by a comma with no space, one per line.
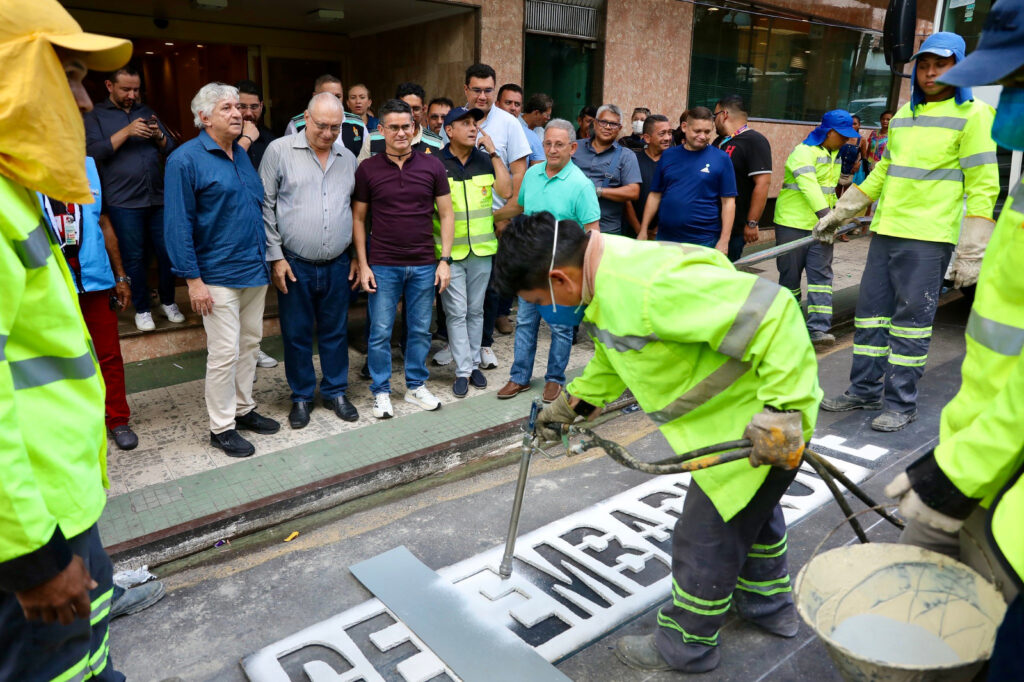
(808,187)
(935,155)
(702,347)
(472,192)
(52,436)
(981,437)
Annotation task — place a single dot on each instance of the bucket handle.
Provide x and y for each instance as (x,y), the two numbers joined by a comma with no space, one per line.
(992,577)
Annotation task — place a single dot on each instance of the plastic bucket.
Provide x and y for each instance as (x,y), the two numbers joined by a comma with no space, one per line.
(906,584)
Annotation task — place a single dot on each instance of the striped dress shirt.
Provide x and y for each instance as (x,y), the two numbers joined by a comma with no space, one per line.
(307,209)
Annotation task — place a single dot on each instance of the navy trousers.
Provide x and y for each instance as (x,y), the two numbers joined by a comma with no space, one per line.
(715,564)
(38,652)
(816,260)
(316,305)
(899,294)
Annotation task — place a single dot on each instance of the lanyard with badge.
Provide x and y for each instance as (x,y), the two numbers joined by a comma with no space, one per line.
(67,224)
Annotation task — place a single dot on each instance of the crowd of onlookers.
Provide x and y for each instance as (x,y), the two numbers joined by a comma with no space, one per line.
(400,203)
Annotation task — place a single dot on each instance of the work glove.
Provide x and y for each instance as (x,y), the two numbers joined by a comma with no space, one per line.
(777,438)
(850,204)
(845,179)
(550,420)
(974,236)
(926,494)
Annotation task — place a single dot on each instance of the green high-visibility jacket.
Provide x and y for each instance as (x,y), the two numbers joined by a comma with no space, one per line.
(472,192)
(936,154)
(52,436)
(808,187)
(702,347)
(981,435)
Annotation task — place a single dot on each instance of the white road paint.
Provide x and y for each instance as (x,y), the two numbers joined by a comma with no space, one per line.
(576,579)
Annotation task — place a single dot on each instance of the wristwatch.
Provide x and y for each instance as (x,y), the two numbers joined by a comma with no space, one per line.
(493,155)
(446,259)
(248,138)
(126,280)
(752,223)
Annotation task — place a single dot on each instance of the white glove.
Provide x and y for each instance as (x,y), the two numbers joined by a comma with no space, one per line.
(850,204)
(913,507)
(845,179)
(974,236)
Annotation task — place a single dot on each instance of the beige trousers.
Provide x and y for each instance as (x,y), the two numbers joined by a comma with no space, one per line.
(233,332)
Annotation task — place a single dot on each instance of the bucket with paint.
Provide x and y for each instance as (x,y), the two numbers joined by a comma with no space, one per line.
(899,613)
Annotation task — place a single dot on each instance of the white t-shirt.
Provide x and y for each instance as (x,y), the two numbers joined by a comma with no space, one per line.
(509,140)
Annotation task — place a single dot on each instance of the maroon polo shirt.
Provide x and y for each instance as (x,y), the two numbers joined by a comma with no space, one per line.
(402,203)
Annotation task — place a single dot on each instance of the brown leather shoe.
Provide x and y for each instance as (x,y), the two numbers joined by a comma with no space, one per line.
(551,391)
(511,390)
(504,325)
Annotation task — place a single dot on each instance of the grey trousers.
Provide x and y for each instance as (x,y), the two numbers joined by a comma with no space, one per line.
(715,564)
(899,294)
(464,310)
(816,259)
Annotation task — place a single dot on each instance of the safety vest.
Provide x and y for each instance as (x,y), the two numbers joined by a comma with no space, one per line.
(51,391)
(702,347)
(936,153)
(981,438)
(808,186)
(472,193)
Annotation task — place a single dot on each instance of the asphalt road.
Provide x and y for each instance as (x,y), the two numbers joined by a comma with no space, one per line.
(231,602)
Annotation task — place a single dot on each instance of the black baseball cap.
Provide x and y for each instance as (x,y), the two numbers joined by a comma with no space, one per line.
(459,113)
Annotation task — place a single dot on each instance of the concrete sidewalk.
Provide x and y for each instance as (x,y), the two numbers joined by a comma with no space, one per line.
(175,494)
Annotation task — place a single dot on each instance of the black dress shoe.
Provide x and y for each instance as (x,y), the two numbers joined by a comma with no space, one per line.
(343,408)
(253,421)
(231,443)
(124,437)
(299,416)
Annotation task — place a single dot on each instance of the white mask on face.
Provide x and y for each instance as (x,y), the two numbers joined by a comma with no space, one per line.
(638,127)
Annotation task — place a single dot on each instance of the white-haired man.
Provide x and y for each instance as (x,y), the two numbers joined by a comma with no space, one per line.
(213,224)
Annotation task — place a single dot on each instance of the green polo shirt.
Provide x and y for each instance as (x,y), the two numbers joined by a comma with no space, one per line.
(570,195)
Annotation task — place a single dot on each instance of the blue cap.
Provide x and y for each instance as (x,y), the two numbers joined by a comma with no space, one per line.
(1000,51)
(459,113)
(942,44)
(839,120)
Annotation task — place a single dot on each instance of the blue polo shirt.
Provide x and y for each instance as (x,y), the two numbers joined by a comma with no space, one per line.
(691,184)
(614,167)
(213,217)
(569,195)
(537,147)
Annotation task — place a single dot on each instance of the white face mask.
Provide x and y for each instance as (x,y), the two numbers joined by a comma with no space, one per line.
(638,127)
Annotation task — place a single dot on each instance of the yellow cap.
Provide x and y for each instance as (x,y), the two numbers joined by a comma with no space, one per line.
(32,19)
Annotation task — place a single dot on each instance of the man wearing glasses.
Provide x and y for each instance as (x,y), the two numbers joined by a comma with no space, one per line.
(308,179)
(612,168)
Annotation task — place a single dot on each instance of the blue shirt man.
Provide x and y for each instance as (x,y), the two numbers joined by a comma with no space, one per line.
(612,169)
(213,224)
(693,193)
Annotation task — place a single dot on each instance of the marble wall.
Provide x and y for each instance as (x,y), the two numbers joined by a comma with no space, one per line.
(647,55)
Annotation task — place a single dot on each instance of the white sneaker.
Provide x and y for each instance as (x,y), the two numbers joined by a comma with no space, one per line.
(172,313)
(444,356)
(263,360)
(488,360)
(382,406)
(423,399)
(144,322)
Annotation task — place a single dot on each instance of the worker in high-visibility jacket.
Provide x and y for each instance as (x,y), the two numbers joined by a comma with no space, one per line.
(55,579)
(808,192)
(940,148)
(976,473)
(711,355)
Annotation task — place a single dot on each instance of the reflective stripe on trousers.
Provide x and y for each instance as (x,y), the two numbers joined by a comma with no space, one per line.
(896,306)
(816,260)
(717,564)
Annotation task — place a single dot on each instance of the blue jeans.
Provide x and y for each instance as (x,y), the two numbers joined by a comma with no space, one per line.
(316,303)
(525,350)
(140,233)
(416,283)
